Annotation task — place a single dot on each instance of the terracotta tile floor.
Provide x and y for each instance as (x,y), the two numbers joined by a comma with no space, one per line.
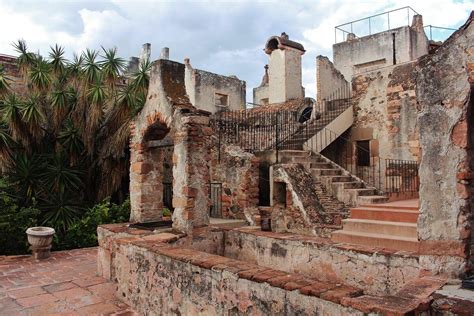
(65,284)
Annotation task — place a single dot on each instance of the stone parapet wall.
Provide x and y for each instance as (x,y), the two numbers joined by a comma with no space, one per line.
(158,279)
(378,271)
(166,273)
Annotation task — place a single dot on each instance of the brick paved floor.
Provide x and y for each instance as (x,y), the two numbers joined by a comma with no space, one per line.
(64,284)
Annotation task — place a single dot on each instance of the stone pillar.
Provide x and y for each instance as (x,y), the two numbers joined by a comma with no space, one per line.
(191,160)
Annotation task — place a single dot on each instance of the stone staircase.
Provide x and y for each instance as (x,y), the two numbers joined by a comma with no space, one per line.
(389,225)
(339,182)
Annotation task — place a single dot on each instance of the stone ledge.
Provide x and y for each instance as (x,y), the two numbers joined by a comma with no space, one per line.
(429,247)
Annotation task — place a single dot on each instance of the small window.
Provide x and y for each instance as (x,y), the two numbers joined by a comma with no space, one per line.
(221,99)
(363,153)
(264,101)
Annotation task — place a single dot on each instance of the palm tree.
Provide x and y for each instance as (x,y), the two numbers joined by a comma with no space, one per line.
(64,142)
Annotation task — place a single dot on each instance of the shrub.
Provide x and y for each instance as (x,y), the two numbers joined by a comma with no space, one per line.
(83,232)
(13,224)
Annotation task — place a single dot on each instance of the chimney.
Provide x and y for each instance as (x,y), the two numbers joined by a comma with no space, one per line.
(146,51)
(165,53)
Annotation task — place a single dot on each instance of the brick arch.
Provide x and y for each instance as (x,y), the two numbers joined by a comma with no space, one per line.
(146,168)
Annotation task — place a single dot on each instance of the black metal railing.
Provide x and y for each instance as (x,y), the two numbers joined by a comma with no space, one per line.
(388,176)
(263,129)
(215,195)
(168,195)
(401,176)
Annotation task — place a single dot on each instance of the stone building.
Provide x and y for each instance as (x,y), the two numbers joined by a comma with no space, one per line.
(368,187)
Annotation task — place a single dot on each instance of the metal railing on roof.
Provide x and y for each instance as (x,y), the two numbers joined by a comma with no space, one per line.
(440,33)
(374,23)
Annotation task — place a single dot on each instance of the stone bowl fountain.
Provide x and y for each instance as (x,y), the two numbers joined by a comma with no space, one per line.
(40,239)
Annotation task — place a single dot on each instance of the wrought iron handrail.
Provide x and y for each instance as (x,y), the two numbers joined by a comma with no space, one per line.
(387,175)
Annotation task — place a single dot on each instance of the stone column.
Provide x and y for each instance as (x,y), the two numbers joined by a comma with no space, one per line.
(191,160)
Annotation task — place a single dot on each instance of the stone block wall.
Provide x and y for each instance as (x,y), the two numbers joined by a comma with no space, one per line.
(238,172)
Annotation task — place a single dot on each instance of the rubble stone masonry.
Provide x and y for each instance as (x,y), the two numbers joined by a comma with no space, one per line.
(444,91)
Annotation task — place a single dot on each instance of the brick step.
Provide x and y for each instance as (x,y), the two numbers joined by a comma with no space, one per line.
(384,214)
(373,199)
(376,240)
(380,227)
(325,172)
(392,207)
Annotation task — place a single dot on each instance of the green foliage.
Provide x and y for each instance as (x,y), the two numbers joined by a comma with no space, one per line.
(83,232)
(64,139)
(166,212)
(64,142)
(14,221)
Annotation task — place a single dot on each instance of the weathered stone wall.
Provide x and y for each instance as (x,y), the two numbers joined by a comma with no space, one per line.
(377,271)
(156,279)
(309,209)
(169,112)
(328,79)
(201,87)
(356,56)
(444,90)
(238,172)
(386,111)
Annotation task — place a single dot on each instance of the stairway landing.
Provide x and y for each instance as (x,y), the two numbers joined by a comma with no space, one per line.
(390,225)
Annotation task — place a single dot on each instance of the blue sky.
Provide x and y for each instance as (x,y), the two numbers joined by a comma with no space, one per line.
(226,37)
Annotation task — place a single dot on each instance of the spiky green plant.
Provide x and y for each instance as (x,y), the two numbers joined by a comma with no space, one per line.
(64,142)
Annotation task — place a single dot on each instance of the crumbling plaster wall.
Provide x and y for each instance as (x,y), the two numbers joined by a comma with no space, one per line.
(201,87)
(444,87)
(385,112)
(168,110)
(238,172)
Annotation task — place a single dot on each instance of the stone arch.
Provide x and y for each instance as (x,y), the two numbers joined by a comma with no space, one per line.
(168,118)
(147,172)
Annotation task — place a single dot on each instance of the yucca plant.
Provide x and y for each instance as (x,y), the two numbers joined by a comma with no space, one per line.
(64,142)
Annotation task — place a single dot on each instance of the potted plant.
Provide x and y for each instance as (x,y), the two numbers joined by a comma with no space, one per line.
(40,239)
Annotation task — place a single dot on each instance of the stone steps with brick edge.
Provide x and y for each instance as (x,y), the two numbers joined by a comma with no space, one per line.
(389,225)
(370,212)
